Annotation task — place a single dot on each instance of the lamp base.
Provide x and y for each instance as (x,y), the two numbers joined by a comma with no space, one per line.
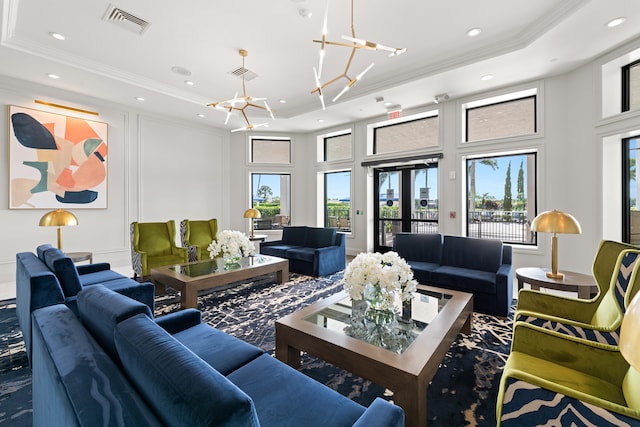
(552,275)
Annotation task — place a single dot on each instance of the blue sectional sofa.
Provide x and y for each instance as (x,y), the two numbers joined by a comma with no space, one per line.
(310,250)
(116,365)
(478,266)
(50,277)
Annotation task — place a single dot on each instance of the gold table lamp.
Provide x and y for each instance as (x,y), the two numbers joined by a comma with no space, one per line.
(252,213)
(58,218)
(555,222)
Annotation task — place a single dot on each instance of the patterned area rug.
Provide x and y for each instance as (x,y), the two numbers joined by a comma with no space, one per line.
(462,393)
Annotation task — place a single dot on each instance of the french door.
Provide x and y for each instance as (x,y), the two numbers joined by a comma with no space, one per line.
(405,199)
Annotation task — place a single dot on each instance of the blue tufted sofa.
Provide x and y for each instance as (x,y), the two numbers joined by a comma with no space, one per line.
(50,277)
(310,250)
(115,365)
(481,267)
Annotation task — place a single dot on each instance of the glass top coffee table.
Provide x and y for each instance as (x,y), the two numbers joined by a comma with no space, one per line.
(192,277)
(401,353)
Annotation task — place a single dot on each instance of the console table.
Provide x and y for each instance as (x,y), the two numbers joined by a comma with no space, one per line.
(536,277)
(81,256)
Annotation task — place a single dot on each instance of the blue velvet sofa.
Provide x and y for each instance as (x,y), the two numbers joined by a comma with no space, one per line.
(116,365)
(50,277)
(478,266)
(310,250)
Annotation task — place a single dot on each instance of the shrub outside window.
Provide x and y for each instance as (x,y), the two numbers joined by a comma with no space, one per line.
(271,194)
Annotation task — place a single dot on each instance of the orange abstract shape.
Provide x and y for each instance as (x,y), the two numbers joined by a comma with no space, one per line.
(65,179)
(89,174)
(77,130)
(50,127)
(102,149)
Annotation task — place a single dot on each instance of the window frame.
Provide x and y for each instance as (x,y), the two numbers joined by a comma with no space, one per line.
(252,203)
(532,93)
(324,199)
(270,138)
(626,85)
(427,115)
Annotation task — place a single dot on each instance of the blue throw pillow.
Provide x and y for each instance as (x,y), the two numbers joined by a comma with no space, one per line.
(65,270)
(182,388)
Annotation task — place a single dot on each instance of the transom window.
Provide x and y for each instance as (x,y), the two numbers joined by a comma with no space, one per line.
(337,147)
(631,86)
(276,150)
(409,135)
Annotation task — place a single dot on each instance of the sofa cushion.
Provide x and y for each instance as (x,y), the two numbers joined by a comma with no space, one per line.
(286,397)
(101,309)
(294,235)
(474,254)
(422,270)
(419,247)
(277,250)
(320,237)
(40,250)
(65,270)
(302,254)
(225,353)
(98,277)
(181,387)
(464,279)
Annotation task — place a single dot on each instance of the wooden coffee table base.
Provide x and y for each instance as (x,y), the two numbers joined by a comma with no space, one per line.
(407,374)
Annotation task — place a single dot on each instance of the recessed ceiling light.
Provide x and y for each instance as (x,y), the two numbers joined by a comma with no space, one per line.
(181,70)
(304,12)
(139,98)
(615,22)
(387,103)
(53,76)
(57,36)
(486,77)
(200,115)
(189,83)
(474,32)
(320,120)
(283,101)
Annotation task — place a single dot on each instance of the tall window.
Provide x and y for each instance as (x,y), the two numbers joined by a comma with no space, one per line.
(409,135)
(337,200)
(631,86)
(272,197)
(630,188)
(270,150)
(501,117)
(501,197)
(338,147)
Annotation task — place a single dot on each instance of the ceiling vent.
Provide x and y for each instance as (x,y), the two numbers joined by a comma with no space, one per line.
(126,20)
(248,74)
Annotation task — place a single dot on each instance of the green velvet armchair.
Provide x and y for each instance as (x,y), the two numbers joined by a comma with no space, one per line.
(153,244)
(554,380)
(599,320)
(196,236)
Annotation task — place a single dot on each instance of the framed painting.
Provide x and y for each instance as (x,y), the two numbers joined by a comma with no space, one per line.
(56,161)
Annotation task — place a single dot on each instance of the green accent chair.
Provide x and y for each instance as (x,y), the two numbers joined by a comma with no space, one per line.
(153,244)
(557,380)
(196,236)
(599,323)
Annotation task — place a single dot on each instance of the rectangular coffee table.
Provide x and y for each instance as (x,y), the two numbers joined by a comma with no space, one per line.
(337,331)
(195,276)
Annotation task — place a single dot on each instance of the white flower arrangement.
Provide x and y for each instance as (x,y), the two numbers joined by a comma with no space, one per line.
(231,244)
(375,276)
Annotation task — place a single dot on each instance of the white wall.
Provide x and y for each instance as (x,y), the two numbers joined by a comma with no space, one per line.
(158,170)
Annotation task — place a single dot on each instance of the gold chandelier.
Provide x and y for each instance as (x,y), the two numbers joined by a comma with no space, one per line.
(354,43)
(241,103)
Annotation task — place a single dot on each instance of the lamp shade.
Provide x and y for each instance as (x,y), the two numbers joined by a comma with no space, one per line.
(252,213)
(58,218)
(630,334)
(556,222)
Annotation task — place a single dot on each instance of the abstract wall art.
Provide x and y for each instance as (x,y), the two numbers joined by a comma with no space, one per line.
(56,161)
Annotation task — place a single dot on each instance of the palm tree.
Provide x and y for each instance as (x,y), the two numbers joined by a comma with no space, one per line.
(492,163)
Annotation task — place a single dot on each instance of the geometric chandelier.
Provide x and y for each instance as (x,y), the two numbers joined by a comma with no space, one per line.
(242,103)
(355,44)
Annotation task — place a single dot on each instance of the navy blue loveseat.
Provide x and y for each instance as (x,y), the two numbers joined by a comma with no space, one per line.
(116,365)
(310,250)
(50,277)
(478,266)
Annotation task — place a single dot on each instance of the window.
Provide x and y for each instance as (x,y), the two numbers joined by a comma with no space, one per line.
(270,150)
(501,196)
(337,147)
(631,86)
(415,134)
(272,197)
(337,200)
(630,200)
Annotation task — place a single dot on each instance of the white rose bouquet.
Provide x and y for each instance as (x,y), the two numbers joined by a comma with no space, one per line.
(231,244)
(376,278)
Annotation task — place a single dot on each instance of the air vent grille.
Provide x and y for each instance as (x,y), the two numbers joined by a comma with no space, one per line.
(126,20)
(248,74)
